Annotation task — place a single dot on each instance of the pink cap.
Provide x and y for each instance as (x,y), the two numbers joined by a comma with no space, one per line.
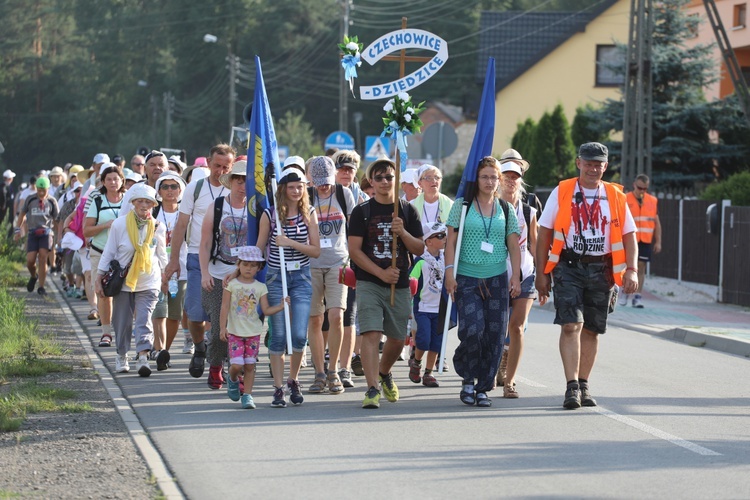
(201,162)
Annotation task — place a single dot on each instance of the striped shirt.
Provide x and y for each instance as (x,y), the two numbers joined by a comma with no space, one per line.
(296,229)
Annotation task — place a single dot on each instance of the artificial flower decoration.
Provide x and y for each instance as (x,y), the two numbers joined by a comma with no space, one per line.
(401,120)
(351,49)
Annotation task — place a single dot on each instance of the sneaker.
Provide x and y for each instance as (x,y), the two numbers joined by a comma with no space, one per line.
(509,391)
(41,291)
(198,363)
(623,301)
(483,400)
(71,292)
(144,369)
(247,402)
(188,347)
(279,400)
(502,370)
(586,399)
(572,399)
(30,285)
(318,386)
(233,390)
(415,370)
(467,395)
(372,398)
(636,301)
(295,396)
(121,364)
(390,389)
(429,380)
(346,378)
(334,384)
(357,366)
(215,377)
(78,294)
(162,360)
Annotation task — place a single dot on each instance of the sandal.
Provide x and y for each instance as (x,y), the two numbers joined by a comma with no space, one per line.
(509,391)
(93,314)
(106,340)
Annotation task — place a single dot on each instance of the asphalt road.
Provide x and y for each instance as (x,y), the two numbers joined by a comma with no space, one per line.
(673,421)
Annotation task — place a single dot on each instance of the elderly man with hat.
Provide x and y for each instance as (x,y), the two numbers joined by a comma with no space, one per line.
(7,193)
(410,184)
(93,177)
(56,180)
(587,246)
(198,199)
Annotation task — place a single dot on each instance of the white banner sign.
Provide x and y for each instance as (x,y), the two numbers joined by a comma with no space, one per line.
(398,40)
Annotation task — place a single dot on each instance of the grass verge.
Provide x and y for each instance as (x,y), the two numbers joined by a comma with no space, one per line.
(31,397)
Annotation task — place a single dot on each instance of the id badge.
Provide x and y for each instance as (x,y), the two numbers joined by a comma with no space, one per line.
(169,252)
(487,247)
(326,243)
(234,252)
(292,266)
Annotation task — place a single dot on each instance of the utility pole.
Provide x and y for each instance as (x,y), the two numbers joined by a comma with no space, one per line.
(234,66)
(343,88)
(154,115)
(169,109)
(637,120)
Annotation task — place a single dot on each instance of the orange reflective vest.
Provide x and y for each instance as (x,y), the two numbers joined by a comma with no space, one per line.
(617,209)
(644,215)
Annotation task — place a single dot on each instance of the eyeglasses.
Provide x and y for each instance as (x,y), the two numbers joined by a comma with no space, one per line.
(488,178)
(430,178)
(381,178)
(642,188)
(439,236)
(169,186)
(137,164)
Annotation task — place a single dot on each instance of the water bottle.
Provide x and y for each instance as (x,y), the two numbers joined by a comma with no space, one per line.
(173,287)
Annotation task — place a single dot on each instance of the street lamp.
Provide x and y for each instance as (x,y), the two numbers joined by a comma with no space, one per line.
(234,63)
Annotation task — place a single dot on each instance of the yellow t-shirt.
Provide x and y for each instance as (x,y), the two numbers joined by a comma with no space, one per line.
(243,319)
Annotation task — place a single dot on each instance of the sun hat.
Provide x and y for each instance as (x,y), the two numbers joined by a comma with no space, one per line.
(292,174)
(511,155)
(238,168)
(433,229)
(168,175)
(382,159)
(175,160)
(42,182)
(250,254)
(321,170)
(294,160)
(9,174)
(142,191)
(134,176)
(200,162)
(77,185)
(56,171)
(410,176)
(101,158)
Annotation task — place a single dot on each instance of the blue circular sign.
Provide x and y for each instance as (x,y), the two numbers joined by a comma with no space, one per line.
(340,140)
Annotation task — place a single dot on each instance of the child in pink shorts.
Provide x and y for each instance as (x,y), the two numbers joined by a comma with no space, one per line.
(241,325)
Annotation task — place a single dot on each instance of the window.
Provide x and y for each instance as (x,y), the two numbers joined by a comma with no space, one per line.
(740,11)
(610,66)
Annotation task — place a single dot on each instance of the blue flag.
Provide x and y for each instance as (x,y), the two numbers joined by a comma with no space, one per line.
(482,144)
(262,150)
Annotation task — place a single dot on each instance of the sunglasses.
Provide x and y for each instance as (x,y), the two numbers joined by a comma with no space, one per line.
(642,188)
(439,236)
(381,178)
(169,186)
(138,164)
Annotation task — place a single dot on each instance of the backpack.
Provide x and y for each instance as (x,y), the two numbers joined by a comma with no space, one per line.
(98,202)
(215,240)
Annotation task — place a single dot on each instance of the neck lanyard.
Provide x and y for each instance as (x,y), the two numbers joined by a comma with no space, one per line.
(166,224)
(211,191)
(234,220)
(437,212)
(330,202)
(586,207)
(487,228)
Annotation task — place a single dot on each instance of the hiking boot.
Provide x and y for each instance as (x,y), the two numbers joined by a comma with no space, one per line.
(390,389)
(483,400)
(144,369)
(162,360)
(346,378)
(233,390)
(357,366)
(415,370)
(636,301)
(295,396)
(215,377)
(429,380)
(188,347)
(247,402)
(334,384)
(30,285)
(372,398)
(467,395)
(623,300)
(198,362)
(121,364)
(509,391)
(503,367)
(41,291)
(279,400)
(572,399)
(586,399)
(318,386)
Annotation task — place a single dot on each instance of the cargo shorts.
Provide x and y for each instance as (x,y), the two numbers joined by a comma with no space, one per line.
(582,293)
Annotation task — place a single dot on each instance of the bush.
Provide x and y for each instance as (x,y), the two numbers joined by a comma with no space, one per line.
(735,188)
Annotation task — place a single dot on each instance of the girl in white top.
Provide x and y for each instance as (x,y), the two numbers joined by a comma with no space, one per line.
(512,168)
(139,241)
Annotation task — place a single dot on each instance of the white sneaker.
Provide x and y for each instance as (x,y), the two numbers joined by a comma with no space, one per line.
(637,301)
(121,364)
(188,347)
(624,299)
(144,369)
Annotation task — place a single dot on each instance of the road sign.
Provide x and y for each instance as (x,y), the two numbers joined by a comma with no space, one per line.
(439,140)
(283,153)
(376,146)
(339,140)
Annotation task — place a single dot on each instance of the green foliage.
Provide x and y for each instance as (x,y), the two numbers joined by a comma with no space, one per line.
(293,131)
(553,154)
(351,51)
(401,114)
(585,128)
(451,182)
(31,397)
(735,188)
(523,139)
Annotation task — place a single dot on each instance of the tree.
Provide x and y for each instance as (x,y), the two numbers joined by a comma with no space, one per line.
(735,188)
(552,154)
(293,131)
(523,139)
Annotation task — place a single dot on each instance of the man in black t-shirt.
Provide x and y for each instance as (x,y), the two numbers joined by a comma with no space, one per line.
(371,230)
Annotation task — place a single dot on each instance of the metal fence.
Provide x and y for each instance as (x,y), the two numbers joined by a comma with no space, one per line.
(735,286)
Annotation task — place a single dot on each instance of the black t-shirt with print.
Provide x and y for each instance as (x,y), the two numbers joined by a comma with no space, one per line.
(377,239)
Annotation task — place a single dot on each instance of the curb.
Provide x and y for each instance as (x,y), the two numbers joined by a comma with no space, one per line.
(164,478)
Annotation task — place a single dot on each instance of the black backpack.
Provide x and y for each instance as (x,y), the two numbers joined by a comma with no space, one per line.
(218,209)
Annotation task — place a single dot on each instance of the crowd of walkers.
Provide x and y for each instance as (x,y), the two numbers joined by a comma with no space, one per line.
(159,247)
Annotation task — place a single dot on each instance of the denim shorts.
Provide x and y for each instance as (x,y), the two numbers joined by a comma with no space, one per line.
(299,289)
(193,306)
(528,291)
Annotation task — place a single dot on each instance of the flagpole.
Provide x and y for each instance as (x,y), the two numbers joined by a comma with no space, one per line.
(446,326)
(396,183)
(282,264)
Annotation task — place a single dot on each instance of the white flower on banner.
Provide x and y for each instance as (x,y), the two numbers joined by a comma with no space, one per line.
(407,117)
(388,106)
(352,46)
(404,96)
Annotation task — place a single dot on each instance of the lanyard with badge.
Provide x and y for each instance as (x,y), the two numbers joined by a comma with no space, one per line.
(325,242)
(486,245)
(234,251)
